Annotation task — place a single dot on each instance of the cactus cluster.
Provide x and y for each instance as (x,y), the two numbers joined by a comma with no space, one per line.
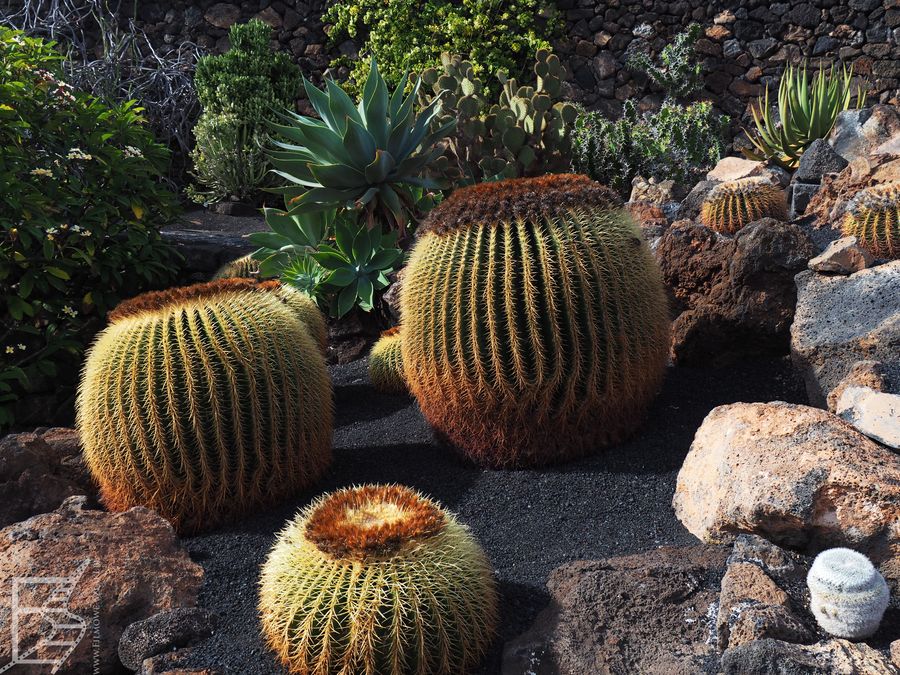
(377,580)
(525,133)
(873,217)
(245,267)
(848,596)
(386,363)
(204,402)
(535,324)
(732,205)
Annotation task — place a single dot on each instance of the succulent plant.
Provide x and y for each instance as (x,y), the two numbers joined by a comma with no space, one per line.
(203,402)
(386,363)
(524,133)
(535,326)
(377,580)
(873,217)
(245,267)
(848,596)
(370,157)
(732,205)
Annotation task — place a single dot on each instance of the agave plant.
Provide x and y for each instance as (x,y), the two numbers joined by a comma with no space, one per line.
(369,157)
(806,110)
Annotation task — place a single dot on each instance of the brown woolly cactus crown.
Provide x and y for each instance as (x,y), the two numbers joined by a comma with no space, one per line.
(732,205)
(507,201)
(372,521)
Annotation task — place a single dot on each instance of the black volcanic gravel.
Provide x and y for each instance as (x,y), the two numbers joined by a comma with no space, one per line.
(529,522)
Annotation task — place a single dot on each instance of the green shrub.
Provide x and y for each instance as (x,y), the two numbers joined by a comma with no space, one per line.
(679,72)
(238,90)
(80,213)
(410,35)
(677,142)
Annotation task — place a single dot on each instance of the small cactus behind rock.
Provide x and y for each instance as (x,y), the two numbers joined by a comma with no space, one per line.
(733,205)
(848,596)
(873,217)
(386,363)
(377,580)
(244,267)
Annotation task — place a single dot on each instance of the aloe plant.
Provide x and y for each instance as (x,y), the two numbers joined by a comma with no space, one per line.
(807,111)
(369,157)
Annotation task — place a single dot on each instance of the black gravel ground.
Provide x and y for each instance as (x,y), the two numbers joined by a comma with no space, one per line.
(529,522)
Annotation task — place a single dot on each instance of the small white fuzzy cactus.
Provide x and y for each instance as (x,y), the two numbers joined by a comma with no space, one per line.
(848,595)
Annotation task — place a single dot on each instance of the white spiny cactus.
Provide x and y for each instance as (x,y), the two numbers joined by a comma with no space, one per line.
(848,595)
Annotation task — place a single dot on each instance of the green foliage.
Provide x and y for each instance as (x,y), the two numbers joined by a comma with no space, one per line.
(807,111)
(238,91)
(335,259)
(679,72)
(525,131)
(368,158)
(80,213)
(410,35)
(677,142)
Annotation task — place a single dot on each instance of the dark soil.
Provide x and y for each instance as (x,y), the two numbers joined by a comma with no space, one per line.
(529,522)
(209,221)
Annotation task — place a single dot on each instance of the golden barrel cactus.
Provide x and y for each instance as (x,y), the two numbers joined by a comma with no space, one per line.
(535,325)
(244,267)
(377,580)
(873,217)
(734,204)
(304,307)
(204,402)
(386,363)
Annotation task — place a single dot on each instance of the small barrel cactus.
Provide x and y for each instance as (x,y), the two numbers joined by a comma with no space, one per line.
(873,217)
(848,596)
(244,267)
(377,580)
(535,324)
(386,363)
(733,205)
(204,402)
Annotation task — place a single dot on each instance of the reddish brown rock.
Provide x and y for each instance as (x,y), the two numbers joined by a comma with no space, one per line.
(642,613)
(834,657)
(115,569)
(829,203)
(869,374)
(796,475)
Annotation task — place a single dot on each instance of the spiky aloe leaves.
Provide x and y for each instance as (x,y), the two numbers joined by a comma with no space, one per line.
(386,363)
(733,205)
(873,217)
(377,580)
(204,402)
(535,326)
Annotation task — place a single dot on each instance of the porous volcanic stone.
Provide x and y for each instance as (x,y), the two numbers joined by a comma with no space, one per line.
(842,256)
(817,160)
(163,632)
(875,413)
(834,657)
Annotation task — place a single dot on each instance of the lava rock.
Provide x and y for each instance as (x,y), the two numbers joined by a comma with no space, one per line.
(842,256)
(164,632)
(830,202)
(871,374)
(692,203)
(874,413)
(799,195)
(817,160)
(857,133)
(835,657)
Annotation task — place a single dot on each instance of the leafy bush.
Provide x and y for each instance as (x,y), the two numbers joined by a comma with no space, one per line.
(677,142)
(410,35)
(807,110)
(679,72)
(80,213)
(238,90)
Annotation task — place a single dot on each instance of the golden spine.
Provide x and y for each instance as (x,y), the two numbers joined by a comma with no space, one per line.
(733,205)
(386,363)
(873,217)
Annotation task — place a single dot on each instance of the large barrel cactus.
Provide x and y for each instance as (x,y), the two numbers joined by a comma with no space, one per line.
(535,325)
(377,580)
(873,217)
(203,402)
(304,307)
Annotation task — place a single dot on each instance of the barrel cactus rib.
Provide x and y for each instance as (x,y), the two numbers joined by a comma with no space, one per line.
(204,402)
(732,205)
(873,217)
(386,363)
(557,321)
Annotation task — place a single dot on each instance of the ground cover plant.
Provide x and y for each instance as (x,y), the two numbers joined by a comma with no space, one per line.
(80,214)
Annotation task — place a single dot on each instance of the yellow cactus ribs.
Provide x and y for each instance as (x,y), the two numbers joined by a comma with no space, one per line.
(204,402)
(733,205)
(377,580)
(535,325)
(386,363)
(243,267)
(873,217)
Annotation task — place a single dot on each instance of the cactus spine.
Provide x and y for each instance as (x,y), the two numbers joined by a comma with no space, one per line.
(848,596)
(535,325)
(244,267)
(873,217)
(203,402)
(377,580)
(386,363)
(304,307)
(733,205)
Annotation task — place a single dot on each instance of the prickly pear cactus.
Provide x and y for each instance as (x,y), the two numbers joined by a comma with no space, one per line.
(526,132)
